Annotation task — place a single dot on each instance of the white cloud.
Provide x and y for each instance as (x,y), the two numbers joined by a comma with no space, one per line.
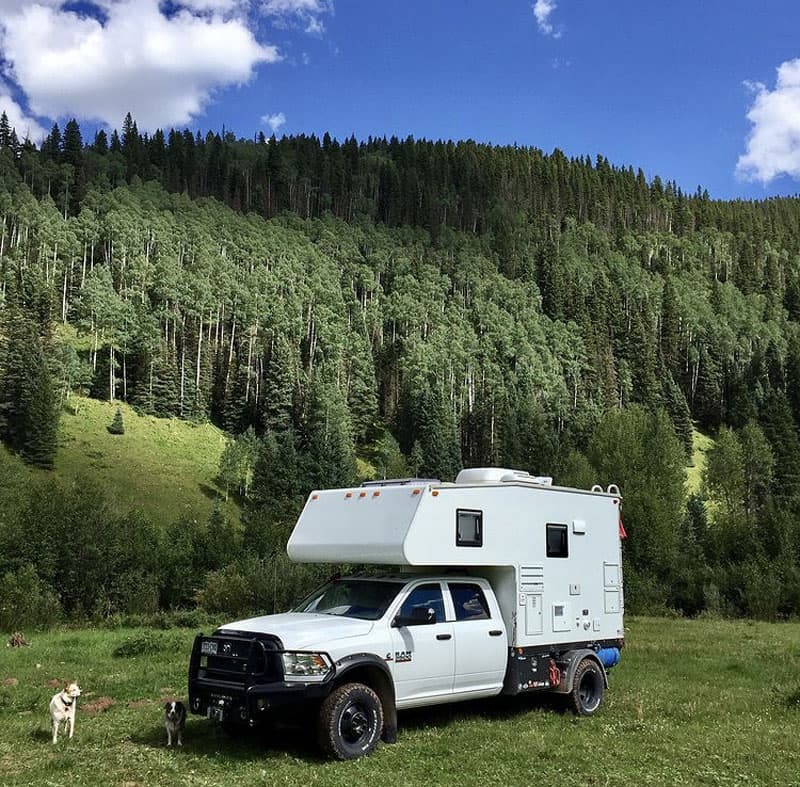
(24,125)
(274,121)
(307,13)
(773,146)
(215,6)
(162,68)
(542,9)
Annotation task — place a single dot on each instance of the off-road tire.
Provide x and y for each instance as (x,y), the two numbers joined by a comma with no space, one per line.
(350,722)
(588,686)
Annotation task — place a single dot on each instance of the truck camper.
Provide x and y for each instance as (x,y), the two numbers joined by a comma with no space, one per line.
(499,583)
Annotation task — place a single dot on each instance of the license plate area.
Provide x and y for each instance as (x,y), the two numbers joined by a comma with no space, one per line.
(208,647)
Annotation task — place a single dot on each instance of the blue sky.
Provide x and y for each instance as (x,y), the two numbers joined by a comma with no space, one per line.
(664,86)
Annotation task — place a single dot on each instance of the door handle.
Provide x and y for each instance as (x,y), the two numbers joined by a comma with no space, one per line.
(443,636)
(495,633)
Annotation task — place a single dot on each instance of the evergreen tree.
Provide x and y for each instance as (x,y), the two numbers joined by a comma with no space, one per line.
(117,425)
(100,144)
(5,131)
(640,452)
(327,441)
(28,414)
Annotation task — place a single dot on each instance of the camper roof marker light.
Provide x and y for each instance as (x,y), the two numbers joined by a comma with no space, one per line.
(376,493)
(348,494)
(362,494)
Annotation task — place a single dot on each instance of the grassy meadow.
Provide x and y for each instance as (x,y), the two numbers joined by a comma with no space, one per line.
(163,466)
(692,703)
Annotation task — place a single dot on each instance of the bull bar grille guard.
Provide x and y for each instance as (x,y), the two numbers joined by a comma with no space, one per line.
(237,662)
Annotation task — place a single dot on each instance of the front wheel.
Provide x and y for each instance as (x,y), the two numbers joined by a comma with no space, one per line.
(350,721)
(587,690)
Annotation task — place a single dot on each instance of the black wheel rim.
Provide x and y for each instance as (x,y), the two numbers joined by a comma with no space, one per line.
(354,725)
(589,691)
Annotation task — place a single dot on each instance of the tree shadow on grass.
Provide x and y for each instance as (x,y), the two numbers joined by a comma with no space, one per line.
(42,735)
(211,492)
(206,739)
(491,709)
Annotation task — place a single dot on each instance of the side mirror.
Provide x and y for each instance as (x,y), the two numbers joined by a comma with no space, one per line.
(420,616)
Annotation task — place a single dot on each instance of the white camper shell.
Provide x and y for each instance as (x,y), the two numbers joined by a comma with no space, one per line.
(552,554)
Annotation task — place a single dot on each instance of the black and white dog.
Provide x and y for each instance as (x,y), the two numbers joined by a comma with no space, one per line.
(175,721)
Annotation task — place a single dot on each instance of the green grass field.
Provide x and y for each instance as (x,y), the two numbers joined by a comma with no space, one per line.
(701,444)
(164,466)
(691,703)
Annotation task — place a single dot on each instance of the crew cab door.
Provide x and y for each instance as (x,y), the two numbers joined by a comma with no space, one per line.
(423,656)
(480,637)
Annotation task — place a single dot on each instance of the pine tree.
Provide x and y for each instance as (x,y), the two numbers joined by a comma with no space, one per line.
(279,386)
(117,425)
(28,414)
(100,144)
(327,441)
(678,411)
(5,131)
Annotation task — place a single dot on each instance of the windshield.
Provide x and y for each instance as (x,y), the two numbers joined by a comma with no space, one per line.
(366,599)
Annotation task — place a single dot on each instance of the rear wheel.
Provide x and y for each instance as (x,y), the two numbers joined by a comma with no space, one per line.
(588,686)
(350,721)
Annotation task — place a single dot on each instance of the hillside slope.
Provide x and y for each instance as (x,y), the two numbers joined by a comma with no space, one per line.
(165,467)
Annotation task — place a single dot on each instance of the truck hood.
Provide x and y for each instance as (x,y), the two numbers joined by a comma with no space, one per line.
(303,630)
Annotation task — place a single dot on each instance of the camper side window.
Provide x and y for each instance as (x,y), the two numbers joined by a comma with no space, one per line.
(469,528)
(557,545)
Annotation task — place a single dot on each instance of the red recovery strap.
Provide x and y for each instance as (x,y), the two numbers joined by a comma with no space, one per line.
(622,533)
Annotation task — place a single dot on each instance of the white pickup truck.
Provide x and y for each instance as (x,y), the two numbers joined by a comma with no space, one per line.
(362,647)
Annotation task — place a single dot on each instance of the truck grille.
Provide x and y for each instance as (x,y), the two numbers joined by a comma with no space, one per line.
(237,659)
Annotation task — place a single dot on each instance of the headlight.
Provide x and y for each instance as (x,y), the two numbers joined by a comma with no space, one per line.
(305,666)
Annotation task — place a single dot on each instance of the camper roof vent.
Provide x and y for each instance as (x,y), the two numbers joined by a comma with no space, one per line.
(495,475)
(402,482)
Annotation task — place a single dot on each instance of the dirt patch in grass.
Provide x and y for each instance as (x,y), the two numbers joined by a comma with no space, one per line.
(9,766)
(54,682)
(138,704)
(98,706)
(10,682)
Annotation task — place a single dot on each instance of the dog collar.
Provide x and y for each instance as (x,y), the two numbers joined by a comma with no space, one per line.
(67,703)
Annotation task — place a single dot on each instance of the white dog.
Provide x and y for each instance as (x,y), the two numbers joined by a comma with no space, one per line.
(62,708)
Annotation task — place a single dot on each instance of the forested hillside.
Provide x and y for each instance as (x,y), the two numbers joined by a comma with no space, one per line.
(421,307)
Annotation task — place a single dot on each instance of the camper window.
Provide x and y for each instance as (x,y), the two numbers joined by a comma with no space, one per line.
(469,528)
(469,602)
(557,541)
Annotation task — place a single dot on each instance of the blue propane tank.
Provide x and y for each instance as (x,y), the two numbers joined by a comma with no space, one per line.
(608,657)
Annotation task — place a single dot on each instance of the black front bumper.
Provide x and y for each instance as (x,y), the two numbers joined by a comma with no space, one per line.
(242,681)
